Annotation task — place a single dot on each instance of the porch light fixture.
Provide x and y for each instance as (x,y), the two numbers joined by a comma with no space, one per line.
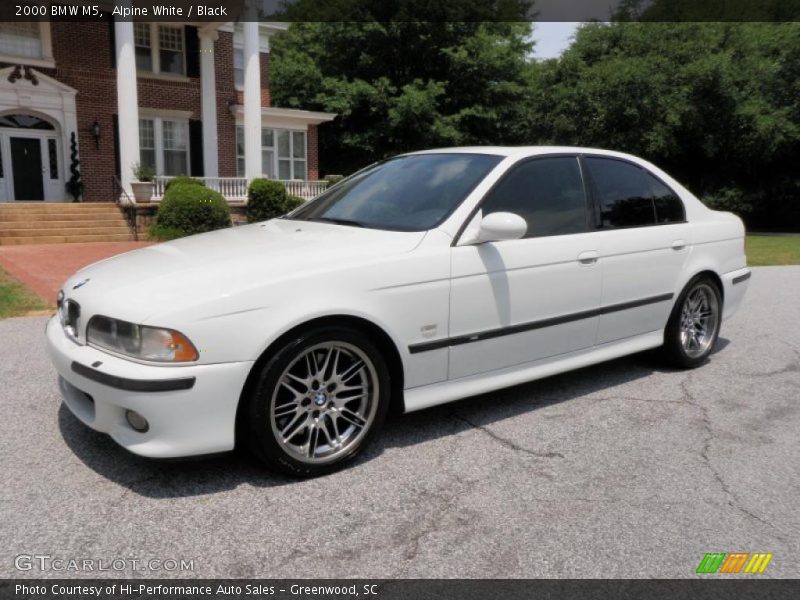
(96,134)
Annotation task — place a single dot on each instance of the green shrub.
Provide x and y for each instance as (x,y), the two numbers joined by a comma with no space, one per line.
(292,202)
(180,179)
(160,233)
(333,180)
(266,199)
(191,208)
(142,172)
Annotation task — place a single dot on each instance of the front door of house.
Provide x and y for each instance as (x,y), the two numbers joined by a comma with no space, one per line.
(26,164)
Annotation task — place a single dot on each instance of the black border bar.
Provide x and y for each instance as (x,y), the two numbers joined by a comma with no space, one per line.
(133,385)
(742,278)
(710,588)
(408,11)
(542,323)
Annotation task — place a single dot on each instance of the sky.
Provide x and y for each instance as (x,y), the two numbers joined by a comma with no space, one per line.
(552,38)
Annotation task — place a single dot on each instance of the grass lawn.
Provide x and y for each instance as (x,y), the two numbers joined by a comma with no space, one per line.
(16,299)
(773,250)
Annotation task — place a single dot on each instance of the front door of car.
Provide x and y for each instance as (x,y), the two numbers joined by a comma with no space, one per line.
(643,247)
(517,301)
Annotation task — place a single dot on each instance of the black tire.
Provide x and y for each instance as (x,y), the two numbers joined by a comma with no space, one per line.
(259,424)
(674,349)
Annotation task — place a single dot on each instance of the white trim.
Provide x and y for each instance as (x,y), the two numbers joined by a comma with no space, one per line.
(307,117)
(51,100)
(208,103)
(127,100)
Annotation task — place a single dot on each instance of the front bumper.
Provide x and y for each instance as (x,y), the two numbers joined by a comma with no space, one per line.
(190,409)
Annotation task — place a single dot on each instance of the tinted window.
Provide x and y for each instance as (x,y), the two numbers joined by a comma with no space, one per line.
(546,192)
(410,193)
(623,191)
(669,208)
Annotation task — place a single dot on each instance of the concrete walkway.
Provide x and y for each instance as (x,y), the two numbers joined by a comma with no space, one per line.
(45,267)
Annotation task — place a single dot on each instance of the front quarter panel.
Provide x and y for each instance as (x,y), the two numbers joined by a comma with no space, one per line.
(405,294)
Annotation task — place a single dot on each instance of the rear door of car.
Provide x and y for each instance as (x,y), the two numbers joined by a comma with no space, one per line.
(517,301)
(643,244)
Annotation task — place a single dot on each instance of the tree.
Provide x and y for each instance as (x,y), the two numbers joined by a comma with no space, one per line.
(405,85)
(716,104)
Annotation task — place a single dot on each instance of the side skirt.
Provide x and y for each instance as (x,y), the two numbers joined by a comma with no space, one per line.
(447,391)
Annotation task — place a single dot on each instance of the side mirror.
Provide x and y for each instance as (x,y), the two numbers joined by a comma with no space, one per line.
(500,226)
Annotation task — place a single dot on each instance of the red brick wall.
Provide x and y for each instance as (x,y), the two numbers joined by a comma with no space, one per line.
(226,97)
(82,52)
(313,152)
(83,56)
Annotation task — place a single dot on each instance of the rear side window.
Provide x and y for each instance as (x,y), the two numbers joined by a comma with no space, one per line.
(669,208)
(623,191)
(547,192)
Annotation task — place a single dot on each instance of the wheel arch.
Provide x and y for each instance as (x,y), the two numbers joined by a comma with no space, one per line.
(704,272)
(376,334)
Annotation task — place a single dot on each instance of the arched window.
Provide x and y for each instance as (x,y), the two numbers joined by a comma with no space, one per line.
(25,122)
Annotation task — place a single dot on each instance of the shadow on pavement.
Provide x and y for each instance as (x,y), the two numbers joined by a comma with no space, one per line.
(209,475)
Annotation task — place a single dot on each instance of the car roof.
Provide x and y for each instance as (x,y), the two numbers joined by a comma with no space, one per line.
(520,151)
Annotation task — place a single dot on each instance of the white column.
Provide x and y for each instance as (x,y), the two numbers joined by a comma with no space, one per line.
(127,101)
(252,101)
(208,104)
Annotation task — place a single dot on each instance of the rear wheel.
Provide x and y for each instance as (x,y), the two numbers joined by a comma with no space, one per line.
(318,402)
(693,326)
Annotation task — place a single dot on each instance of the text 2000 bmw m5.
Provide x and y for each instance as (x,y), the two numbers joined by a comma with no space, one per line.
(419,280)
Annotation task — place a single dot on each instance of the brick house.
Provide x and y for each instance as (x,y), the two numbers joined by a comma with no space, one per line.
(185,99)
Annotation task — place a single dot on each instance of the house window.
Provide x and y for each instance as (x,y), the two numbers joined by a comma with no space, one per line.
(144,49)
(147,143)
(21,39)
(238,67)
(171,49)
(160,48)
(176,148)
(164,145)
(283,153)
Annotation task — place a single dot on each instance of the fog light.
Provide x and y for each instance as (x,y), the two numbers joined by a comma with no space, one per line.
(137,421)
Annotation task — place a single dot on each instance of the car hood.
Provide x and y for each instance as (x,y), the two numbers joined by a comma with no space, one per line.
(221,264)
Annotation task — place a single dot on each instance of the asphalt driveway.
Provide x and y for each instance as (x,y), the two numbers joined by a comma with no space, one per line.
(625,469)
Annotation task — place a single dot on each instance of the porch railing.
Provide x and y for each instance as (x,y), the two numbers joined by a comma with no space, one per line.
(234,189)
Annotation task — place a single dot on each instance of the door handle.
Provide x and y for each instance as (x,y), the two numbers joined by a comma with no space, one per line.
(589,257)
(678,245)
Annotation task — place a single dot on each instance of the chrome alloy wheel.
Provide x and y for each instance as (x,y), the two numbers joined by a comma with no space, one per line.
(325,402)
(699,320)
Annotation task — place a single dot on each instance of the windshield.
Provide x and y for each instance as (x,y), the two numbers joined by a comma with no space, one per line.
(407,193)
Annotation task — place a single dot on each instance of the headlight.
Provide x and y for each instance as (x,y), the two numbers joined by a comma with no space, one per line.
(140,341)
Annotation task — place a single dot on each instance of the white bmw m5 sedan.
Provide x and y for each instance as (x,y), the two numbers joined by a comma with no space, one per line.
(421,279)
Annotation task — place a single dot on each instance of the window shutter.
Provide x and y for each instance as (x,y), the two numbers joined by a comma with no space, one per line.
(115,128)
(192,51)
(196,145)
(112,38)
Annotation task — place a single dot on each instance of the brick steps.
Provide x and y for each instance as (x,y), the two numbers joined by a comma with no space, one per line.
(64,231)
(8,217)
(64,239)
(57,223)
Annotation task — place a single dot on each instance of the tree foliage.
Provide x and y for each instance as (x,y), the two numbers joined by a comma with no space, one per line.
(400,86)
(715,104)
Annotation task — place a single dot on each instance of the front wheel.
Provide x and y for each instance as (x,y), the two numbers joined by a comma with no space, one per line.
(693,326)
(318,402)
